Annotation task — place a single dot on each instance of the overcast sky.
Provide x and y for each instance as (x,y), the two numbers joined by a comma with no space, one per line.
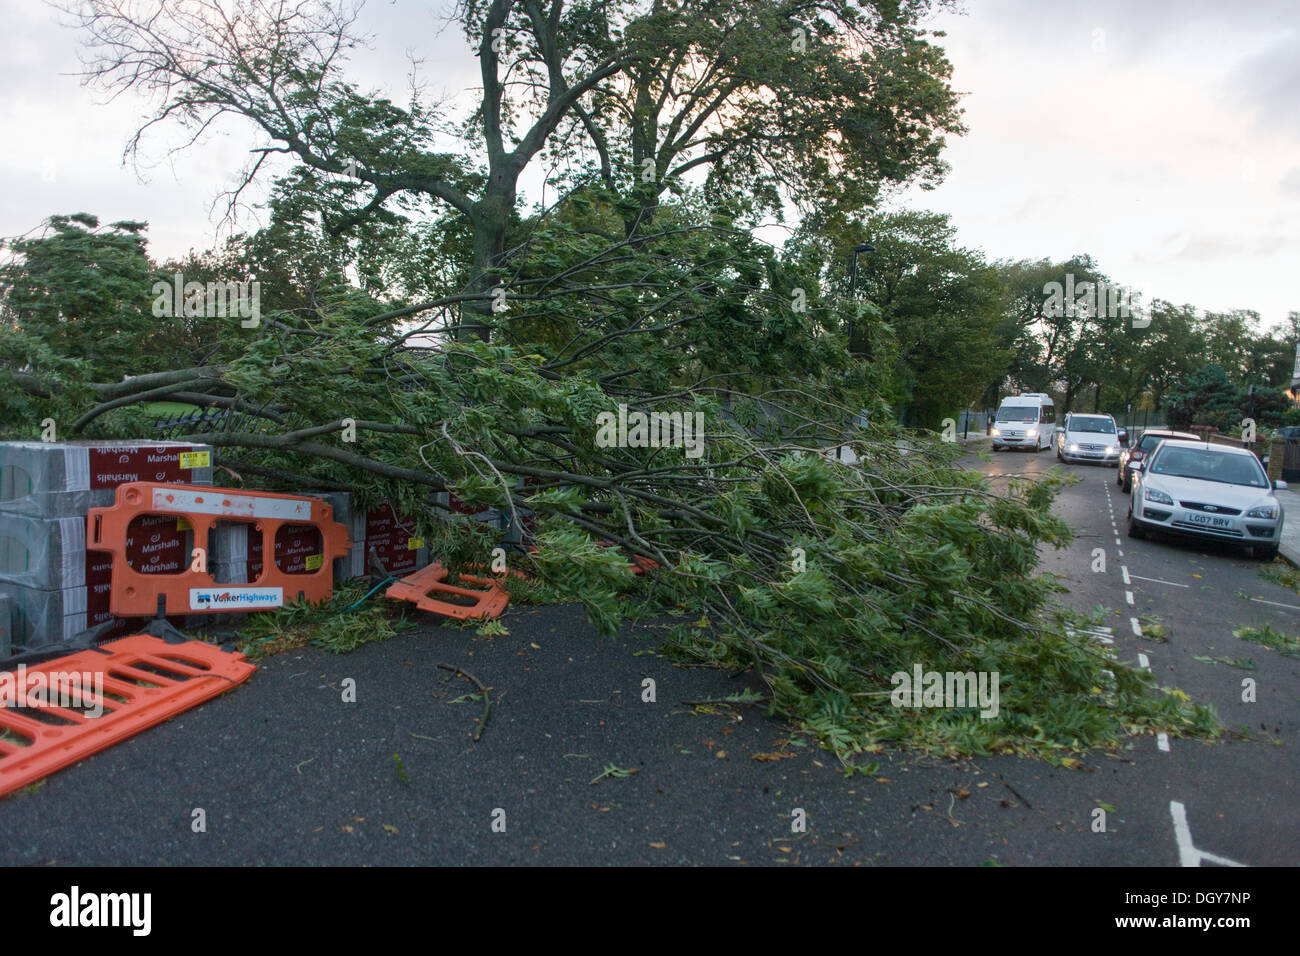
(1161,136)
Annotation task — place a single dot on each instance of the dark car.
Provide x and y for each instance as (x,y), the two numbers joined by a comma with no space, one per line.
(1145,445)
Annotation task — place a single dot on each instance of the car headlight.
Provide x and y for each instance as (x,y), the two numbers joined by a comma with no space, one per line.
(1158,496)
(1263,511)
(1112,449)
(1074,446)
(997,431)
(1032,432)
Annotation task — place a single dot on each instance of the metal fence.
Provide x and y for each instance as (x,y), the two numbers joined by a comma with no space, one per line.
(209,419)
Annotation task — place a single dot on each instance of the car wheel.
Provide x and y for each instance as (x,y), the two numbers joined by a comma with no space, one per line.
(1135,529)
(1128,484)
(1268,553)
(1119,477)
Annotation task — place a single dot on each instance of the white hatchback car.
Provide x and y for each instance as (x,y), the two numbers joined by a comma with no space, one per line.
(1208,491)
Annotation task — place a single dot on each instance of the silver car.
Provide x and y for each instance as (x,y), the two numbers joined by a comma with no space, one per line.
(1208,491)
(1088,438)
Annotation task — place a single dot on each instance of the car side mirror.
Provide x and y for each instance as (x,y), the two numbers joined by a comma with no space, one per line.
(1279,485)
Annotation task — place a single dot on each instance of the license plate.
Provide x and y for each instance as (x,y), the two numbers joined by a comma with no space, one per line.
(1210,520)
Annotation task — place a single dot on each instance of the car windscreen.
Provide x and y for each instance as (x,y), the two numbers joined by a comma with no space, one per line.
(1018,413)
(1206,464)
(1150,441)
(1101,426)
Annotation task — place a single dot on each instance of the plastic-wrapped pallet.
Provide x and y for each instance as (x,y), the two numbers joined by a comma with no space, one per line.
(64,479)
(393,538)
(39,617)
(45,553)
(6,634)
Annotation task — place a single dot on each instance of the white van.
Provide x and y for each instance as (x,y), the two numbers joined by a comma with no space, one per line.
(1027,420)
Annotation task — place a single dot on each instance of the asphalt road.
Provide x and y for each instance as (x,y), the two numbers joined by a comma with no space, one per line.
(286,772)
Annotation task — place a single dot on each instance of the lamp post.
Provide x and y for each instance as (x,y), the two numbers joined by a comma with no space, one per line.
(853,281)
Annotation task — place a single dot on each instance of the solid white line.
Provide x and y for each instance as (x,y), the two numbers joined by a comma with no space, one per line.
(1276,603)
(1128,596)
(1188,855)
(1137,628)
(1123,569)
(1162,741)
(1158,581)
(1143,662)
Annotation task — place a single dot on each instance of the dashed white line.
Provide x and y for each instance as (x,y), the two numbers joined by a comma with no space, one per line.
(1137,628)
(1128,596)
(1188,855)
(1123,569)
(1143,662)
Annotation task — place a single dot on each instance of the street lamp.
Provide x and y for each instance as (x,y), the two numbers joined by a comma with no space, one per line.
(853,281)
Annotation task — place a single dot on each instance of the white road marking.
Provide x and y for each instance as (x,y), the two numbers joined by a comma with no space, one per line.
(1162,741)
(1159,581)
(1188,855)
(1128,596)
(1121,554)
(1276,604)
(1124,571)
(1143,662)
(1137,628)
(1117,541)
(1099,634)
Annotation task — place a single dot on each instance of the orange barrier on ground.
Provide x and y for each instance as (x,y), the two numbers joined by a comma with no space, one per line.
(429,580)
(639,565)
(41,737)
(197,592)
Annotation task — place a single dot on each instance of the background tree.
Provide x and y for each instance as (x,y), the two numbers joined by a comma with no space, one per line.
(942,304)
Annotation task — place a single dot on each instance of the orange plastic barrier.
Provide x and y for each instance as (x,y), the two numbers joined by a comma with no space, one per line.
(196,592)
(418,588)
(41,737)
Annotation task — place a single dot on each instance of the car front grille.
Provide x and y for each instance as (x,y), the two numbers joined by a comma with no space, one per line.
(1210,509)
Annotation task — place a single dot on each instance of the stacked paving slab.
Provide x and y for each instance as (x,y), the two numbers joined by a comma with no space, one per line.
(51,586)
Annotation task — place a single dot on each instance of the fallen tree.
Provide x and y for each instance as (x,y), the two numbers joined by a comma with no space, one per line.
(405,349)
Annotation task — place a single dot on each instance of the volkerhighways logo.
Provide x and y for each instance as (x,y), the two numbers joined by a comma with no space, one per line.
(946,689)
(651,430)
(74,690)
(76,909)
